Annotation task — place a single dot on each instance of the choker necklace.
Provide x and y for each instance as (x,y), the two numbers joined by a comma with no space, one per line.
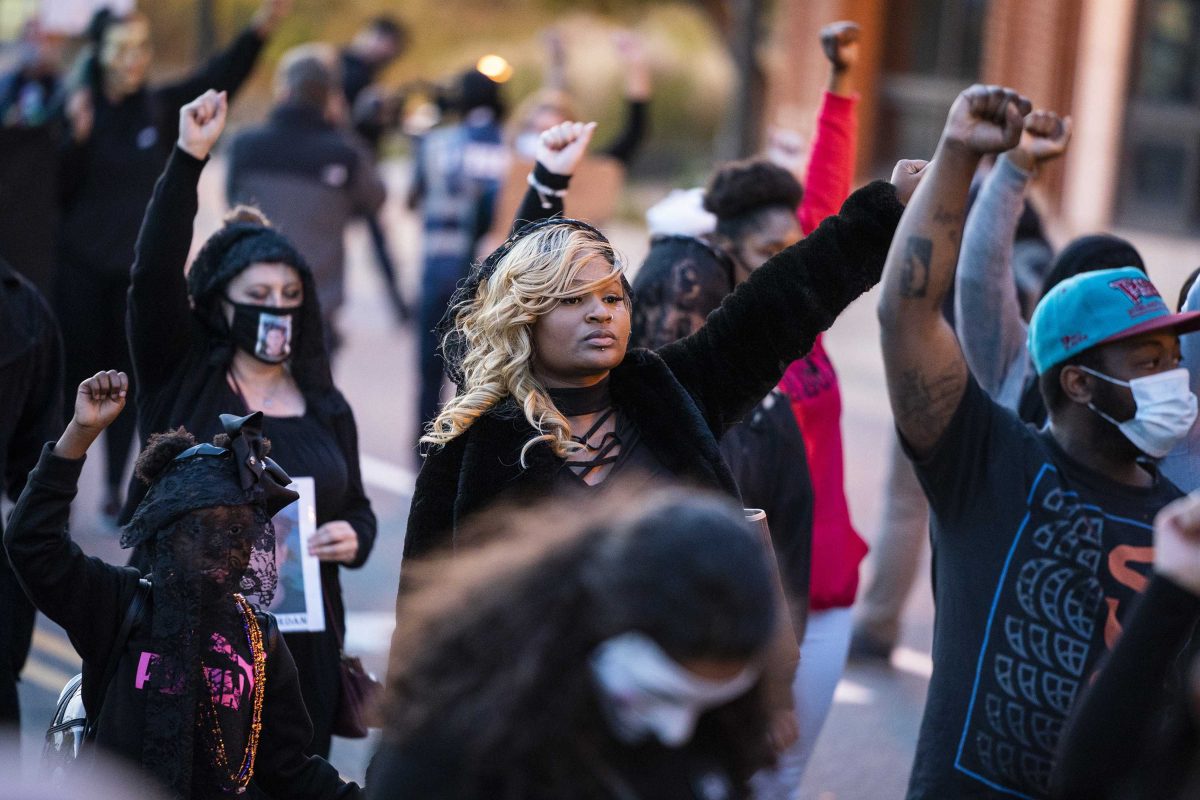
(577,402)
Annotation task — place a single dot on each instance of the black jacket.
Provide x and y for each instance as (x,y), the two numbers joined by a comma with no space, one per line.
(30,378)
(106,180)
(685,396)
(89,598)
(179,366)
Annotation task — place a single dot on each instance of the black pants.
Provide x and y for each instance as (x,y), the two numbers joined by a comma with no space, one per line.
(91,313)
(16,632)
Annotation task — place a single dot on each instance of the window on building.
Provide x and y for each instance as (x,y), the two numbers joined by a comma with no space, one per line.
(932,50)
(1160,176)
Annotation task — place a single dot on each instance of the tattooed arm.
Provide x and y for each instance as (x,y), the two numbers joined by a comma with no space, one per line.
(926,372)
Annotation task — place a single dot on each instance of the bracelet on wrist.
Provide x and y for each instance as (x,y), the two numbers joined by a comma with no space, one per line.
(544,192)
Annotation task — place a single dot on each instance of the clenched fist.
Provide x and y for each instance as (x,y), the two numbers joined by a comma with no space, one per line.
(986,119)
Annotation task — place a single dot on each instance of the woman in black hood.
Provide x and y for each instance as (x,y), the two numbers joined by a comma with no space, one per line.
(211,342)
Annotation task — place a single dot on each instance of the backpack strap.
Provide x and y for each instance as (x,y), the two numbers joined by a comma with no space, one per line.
(137,604)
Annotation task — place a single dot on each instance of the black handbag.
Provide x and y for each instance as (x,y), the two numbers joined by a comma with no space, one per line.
(360,692)
(73,725)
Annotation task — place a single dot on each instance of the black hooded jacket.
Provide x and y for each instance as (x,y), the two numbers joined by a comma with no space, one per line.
(685,396)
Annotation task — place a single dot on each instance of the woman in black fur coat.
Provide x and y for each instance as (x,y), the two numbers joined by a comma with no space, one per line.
(551,399)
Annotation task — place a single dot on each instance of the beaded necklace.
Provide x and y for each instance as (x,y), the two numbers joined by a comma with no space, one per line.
(238,781)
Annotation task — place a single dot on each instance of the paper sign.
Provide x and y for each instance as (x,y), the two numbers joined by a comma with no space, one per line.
(298,604)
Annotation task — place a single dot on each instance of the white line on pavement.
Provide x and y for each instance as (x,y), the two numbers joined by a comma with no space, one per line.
(387,476)
(913,662)
(57,646)
(369,632)
(45,676)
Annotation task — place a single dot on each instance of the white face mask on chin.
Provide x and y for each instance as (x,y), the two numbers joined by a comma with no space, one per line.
(644,692)
(1166,410)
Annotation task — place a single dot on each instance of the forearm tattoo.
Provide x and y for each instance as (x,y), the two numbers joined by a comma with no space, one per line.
(923,404)
(914,275)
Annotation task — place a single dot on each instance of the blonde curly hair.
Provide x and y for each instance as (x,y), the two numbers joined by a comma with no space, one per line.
(539,270)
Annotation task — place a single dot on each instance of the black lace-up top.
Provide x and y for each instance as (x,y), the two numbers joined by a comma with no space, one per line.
(619,447)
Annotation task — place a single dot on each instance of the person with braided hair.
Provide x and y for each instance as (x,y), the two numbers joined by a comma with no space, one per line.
(205,695)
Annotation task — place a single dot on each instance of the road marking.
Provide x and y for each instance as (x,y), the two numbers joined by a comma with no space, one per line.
(387,476)
(47,677)
(852,693)
(913,662)
(56,646)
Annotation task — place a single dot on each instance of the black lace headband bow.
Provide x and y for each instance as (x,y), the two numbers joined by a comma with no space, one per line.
(452,347)
(207,476)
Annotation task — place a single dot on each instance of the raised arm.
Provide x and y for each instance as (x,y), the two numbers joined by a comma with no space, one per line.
(774,316)
(559,151)
(66,585)
(637,97)
(989,322)
(159,315)
(227,70)
(831,160)
(926,372)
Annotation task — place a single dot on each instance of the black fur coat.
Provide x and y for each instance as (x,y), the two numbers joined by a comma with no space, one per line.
(682,397)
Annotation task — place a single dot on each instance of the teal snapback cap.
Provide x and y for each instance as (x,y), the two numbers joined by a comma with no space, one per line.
(1095,308)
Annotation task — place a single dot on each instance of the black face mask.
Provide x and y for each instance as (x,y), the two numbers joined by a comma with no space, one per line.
(266,332)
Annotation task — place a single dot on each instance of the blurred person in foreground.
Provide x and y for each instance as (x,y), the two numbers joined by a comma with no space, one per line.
(310,177)
(121,130)
(108,780)
(1041,539)
(612,649)
(205,697)
(30,414)
(1135,732)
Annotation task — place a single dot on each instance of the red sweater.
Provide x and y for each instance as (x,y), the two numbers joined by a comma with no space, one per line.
(812,384)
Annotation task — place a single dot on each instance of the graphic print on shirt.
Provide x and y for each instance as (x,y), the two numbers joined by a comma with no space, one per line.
(1053,617)
(230,677)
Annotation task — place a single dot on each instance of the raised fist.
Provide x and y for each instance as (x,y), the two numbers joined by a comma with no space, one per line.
(100,399)
(201,122)
(906,177)
(270,13)
(1177,542)
(1044,139)
(986,119)
(839,40)
(561,148)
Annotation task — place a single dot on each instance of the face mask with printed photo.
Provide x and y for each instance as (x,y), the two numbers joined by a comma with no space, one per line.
(265,332)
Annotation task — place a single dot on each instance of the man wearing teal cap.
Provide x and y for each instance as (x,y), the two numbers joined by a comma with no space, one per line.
(1042,539)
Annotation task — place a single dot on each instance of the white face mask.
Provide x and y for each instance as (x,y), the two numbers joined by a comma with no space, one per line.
(644,692)
(1166,409)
